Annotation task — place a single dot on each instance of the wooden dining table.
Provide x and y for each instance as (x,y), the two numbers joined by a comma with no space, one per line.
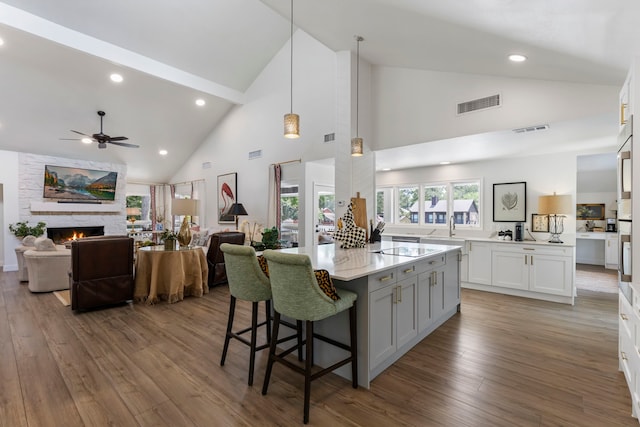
(170,275)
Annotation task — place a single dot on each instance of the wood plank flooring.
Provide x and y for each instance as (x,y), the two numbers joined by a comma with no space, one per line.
(503,361)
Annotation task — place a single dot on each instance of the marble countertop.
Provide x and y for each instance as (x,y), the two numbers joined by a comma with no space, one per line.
(568,239)
(349,264)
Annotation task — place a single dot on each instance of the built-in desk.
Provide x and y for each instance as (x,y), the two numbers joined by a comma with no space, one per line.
(401,299)
(597,248)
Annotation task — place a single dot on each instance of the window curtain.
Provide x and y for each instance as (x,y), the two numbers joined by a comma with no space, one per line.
(152,195)
(275,180)
(172,194)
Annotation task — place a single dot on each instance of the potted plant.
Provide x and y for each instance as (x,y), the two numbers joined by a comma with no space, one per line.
(269,240)
(22,229)
(170,238)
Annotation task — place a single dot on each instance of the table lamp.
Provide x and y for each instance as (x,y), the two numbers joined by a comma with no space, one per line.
(187,208)
(555,206)
(132,213)
(236,210)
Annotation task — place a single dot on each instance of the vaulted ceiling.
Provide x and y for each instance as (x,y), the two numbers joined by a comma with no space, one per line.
(57,57)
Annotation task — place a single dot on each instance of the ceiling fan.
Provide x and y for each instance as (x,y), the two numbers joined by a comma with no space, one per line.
(103,139)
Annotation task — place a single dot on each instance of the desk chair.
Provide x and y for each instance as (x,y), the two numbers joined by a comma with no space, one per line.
(297,294)
(248,282)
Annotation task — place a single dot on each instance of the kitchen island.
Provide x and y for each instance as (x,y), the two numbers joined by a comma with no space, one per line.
(405,291)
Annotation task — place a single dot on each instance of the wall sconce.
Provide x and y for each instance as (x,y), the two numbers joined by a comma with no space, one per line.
(556,207)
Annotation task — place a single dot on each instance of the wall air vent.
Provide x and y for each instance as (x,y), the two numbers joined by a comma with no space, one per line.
(479,104)
(255,154)
(531,129)
(330,137)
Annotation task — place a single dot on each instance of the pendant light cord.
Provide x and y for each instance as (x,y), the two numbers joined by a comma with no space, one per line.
(291,65)
(359,39)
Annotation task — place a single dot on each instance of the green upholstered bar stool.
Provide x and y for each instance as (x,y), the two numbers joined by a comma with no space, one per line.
(248,282)
(296,293)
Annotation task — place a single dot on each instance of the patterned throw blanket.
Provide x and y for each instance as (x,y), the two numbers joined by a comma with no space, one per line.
(350,235)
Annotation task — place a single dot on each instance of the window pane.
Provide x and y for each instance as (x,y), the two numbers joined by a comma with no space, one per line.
(435,204)
(408,205)
(466,203)
(384,205)
(289,203)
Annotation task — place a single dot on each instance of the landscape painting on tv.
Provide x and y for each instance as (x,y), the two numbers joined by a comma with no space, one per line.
(65,183)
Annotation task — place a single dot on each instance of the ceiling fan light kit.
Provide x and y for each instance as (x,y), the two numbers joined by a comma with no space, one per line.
(103,139)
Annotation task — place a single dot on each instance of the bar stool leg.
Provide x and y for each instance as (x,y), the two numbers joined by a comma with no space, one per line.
(308,363)
(232,309)
(272,351)
(354,345)
(267,305)
(252,346)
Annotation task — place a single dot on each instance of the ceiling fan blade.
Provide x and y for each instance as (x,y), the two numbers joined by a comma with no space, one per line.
(83,134)
(123,144)
(118,138)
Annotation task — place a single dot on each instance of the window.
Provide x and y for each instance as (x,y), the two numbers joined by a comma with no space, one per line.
(289,208)
(408,206)
(439,202)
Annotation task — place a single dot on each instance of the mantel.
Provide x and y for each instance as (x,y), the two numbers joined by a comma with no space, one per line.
(74,207)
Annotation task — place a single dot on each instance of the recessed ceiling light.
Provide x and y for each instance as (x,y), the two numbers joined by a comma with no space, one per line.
(116,77)
(445,163)
(87,140)
(516,57)
(200,102)
(386,169)
(1,41)
(163,152)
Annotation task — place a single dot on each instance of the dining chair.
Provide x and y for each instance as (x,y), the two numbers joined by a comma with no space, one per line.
(248,282)
(298,294)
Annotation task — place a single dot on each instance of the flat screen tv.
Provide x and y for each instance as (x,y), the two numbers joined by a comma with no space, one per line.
(76,184)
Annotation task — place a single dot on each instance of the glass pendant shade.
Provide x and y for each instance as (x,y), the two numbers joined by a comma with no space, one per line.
(356,147)
(291,125)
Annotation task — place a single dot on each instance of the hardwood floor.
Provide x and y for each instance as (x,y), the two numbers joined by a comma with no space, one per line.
(503,361)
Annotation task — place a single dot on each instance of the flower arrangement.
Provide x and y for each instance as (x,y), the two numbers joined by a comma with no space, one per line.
(169,235)
(269,240)
(22,229)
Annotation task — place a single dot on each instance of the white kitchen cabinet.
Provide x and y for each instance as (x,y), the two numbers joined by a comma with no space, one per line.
(479,262)
(393,318)
(510,269)
(611,251)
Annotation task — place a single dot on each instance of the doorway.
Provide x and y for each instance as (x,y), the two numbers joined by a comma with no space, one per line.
(324,208)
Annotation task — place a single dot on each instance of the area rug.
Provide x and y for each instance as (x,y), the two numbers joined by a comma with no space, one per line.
(64,297)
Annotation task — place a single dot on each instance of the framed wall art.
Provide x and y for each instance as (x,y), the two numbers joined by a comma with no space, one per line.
(227,196)
(540,223)
(590,211)
(510,202)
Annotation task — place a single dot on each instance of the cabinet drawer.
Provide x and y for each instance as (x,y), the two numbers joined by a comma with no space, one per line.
(382,278)
(546,250)
(408,270)
(433,262)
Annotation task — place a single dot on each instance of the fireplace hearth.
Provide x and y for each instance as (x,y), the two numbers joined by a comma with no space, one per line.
(60,235)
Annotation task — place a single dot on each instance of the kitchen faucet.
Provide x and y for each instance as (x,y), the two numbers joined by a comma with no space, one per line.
(452,226)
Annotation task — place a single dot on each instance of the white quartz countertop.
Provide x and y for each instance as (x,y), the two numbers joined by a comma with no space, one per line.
(349,264)
(568,239)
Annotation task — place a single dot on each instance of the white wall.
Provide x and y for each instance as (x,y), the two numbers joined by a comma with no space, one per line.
(258,125)
(9,180)
(414,106)
(543,175)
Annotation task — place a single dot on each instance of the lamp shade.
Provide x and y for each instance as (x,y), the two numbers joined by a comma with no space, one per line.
(237,209)
(291,125)
(133,211)
(555,205)
(184,207)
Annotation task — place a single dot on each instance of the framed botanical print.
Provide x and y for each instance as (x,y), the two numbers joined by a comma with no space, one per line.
(227,188)
(510,202)
(540,223)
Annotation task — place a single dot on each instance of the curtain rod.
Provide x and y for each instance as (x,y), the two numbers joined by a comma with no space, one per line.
(288,161)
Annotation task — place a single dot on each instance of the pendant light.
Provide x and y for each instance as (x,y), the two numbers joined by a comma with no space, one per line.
(356,143)
(291,120)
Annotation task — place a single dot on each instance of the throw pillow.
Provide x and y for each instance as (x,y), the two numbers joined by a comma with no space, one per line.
(263,265)
(326,284)
(29,241)
(44,244)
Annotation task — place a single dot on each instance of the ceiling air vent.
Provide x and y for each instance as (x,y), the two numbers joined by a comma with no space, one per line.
(479,104)
(330,137)
(531,129)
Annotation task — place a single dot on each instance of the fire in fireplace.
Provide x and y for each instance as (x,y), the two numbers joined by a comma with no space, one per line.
(60,235)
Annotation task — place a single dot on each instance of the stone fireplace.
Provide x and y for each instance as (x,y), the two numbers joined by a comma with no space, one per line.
(60,235)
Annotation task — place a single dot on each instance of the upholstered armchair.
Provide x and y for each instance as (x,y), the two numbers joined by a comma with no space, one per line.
(101,271)
(215,257)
